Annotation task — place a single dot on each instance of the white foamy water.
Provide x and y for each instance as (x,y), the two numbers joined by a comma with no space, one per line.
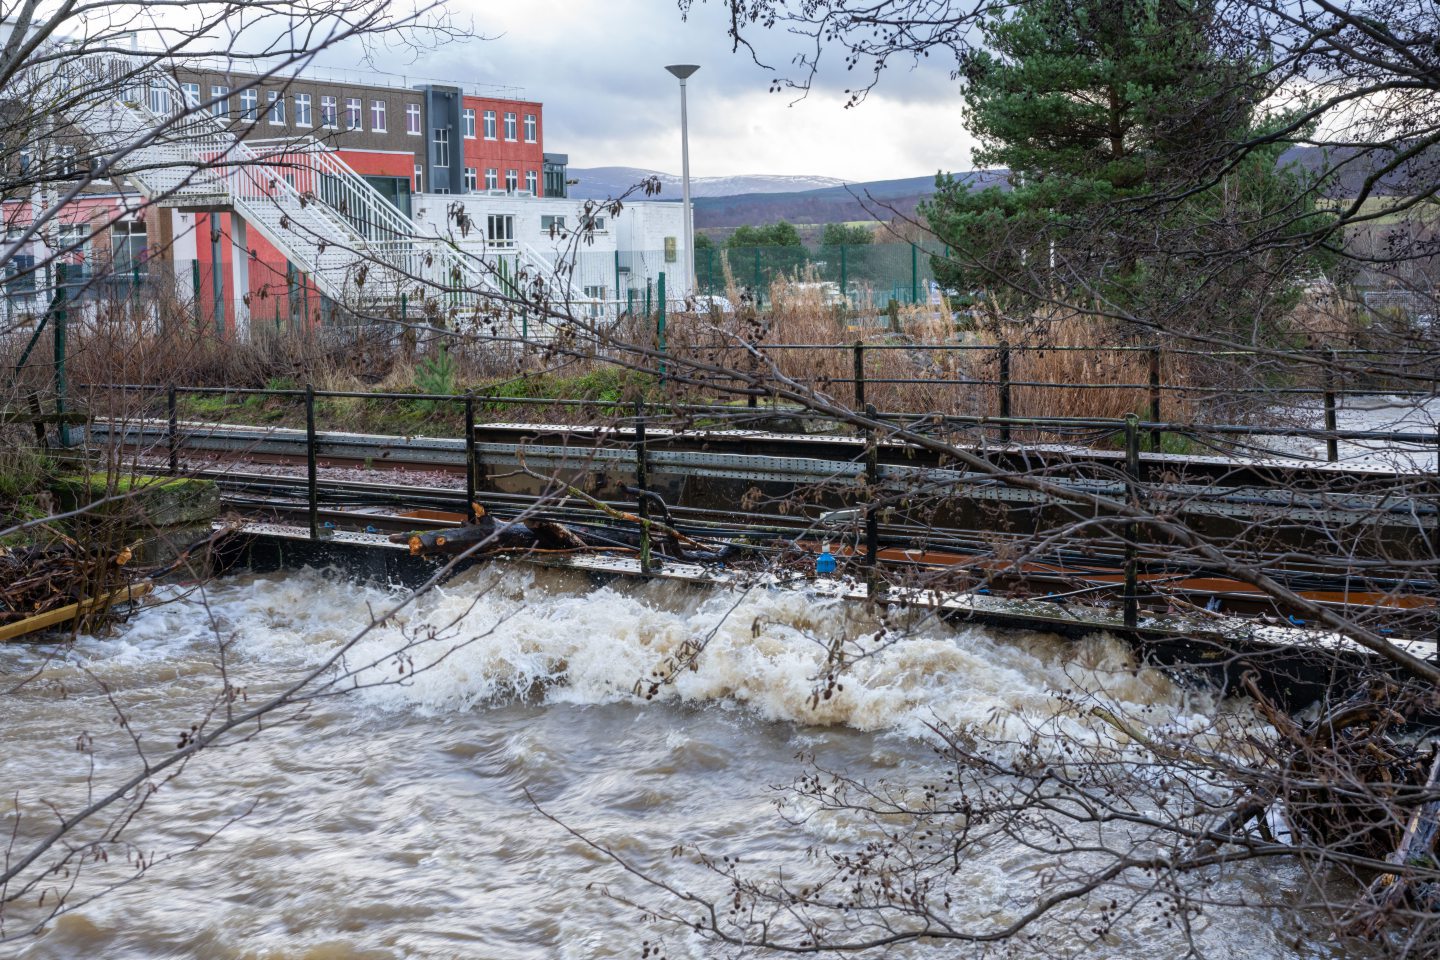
(1379,413)
(394,821)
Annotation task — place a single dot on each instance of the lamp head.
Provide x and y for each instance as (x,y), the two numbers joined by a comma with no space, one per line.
(683,70)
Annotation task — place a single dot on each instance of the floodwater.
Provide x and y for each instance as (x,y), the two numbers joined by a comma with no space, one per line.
(400,820)
(1379,413)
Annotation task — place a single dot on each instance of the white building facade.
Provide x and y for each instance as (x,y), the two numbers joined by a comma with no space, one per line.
(602,262)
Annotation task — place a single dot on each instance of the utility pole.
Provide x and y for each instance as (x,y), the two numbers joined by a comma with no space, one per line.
(682,72)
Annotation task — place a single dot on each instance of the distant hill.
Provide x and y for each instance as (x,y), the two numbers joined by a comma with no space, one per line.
(876,200)
(724,203)
(598,183)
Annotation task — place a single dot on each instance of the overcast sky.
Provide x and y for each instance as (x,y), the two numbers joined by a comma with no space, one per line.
(598,67)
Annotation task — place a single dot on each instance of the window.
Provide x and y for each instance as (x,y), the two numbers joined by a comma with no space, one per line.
(66,161)
(469,118)
(22,285)
(472,180)
(127,247)
(75,250)
(596,296)
(529,128)
(412,119)
(352,114)
(442,147)
(509,126)
(192,94)
(159,100)
(532,181)
(419,178)
(500,229)
(550,223)
(221,96)
(277,109)
(596,224)
(329,113)
(512,180)
(377,116)
(492,179)
(303,115)
(672,250)
(249,105)
(489,124)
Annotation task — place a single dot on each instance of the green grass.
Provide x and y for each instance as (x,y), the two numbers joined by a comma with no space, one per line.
(608,385)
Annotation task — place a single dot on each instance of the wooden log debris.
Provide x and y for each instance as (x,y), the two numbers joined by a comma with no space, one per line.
(53,618)
(489,536)
(37,579)
(1416,849)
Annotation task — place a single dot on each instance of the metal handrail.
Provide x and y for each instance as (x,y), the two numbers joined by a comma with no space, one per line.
(1086,423)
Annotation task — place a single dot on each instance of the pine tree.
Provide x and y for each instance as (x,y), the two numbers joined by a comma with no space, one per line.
(1114,119)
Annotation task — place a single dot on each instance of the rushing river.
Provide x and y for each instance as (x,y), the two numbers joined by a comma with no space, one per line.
(394,821)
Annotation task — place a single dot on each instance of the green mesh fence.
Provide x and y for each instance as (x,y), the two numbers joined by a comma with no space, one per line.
(868,274)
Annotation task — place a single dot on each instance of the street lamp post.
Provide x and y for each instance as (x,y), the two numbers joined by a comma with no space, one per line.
(682,72)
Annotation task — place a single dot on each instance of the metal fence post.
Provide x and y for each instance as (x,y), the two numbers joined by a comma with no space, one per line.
(660,324)
(759,300)
(642,486)
(470,516)
(872,516)
(1004,388)
(172,408)
(914,274)
(859,375)
(1156,438)
(1332,442)
(61,321)
(195,285)
(311,478)
(1132,480)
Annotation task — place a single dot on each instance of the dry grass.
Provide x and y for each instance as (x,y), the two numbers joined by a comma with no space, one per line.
(914,362)
(943,371)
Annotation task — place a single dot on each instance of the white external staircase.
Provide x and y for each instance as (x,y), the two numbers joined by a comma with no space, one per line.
(358,249)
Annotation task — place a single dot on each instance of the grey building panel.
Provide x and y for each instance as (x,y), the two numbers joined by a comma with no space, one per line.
(443,106)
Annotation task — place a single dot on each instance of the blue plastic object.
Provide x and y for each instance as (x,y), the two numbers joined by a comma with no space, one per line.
(825,563)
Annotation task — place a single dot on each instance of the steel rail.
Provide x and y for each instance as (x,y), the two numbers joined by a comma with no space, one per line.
(1079,550)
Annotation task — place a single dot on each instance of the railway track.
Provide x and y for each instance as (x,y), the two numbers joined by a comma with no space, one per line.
(954,553)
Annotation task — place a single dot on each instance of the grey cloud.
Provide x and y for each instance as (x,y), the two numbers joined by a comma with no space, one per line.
(598,68)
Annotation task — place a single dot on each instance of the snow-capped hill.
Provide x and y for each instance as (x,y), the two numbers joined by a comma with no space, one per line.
(601,182)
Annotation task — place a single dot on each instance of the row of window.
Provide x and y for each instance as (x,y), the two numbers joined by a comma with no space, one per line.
(62,163)
(492,179)
(330,112)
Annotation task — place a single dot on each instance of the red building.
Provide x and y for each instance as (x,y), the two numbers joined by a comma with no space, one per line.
(503,145)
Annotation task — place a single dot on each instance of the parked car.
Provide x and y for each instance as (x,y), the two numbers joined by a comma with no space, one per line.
(710,303)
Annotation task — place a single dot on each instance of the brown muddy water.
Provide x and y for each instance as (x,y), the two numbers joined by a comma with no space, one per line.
(393,821)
